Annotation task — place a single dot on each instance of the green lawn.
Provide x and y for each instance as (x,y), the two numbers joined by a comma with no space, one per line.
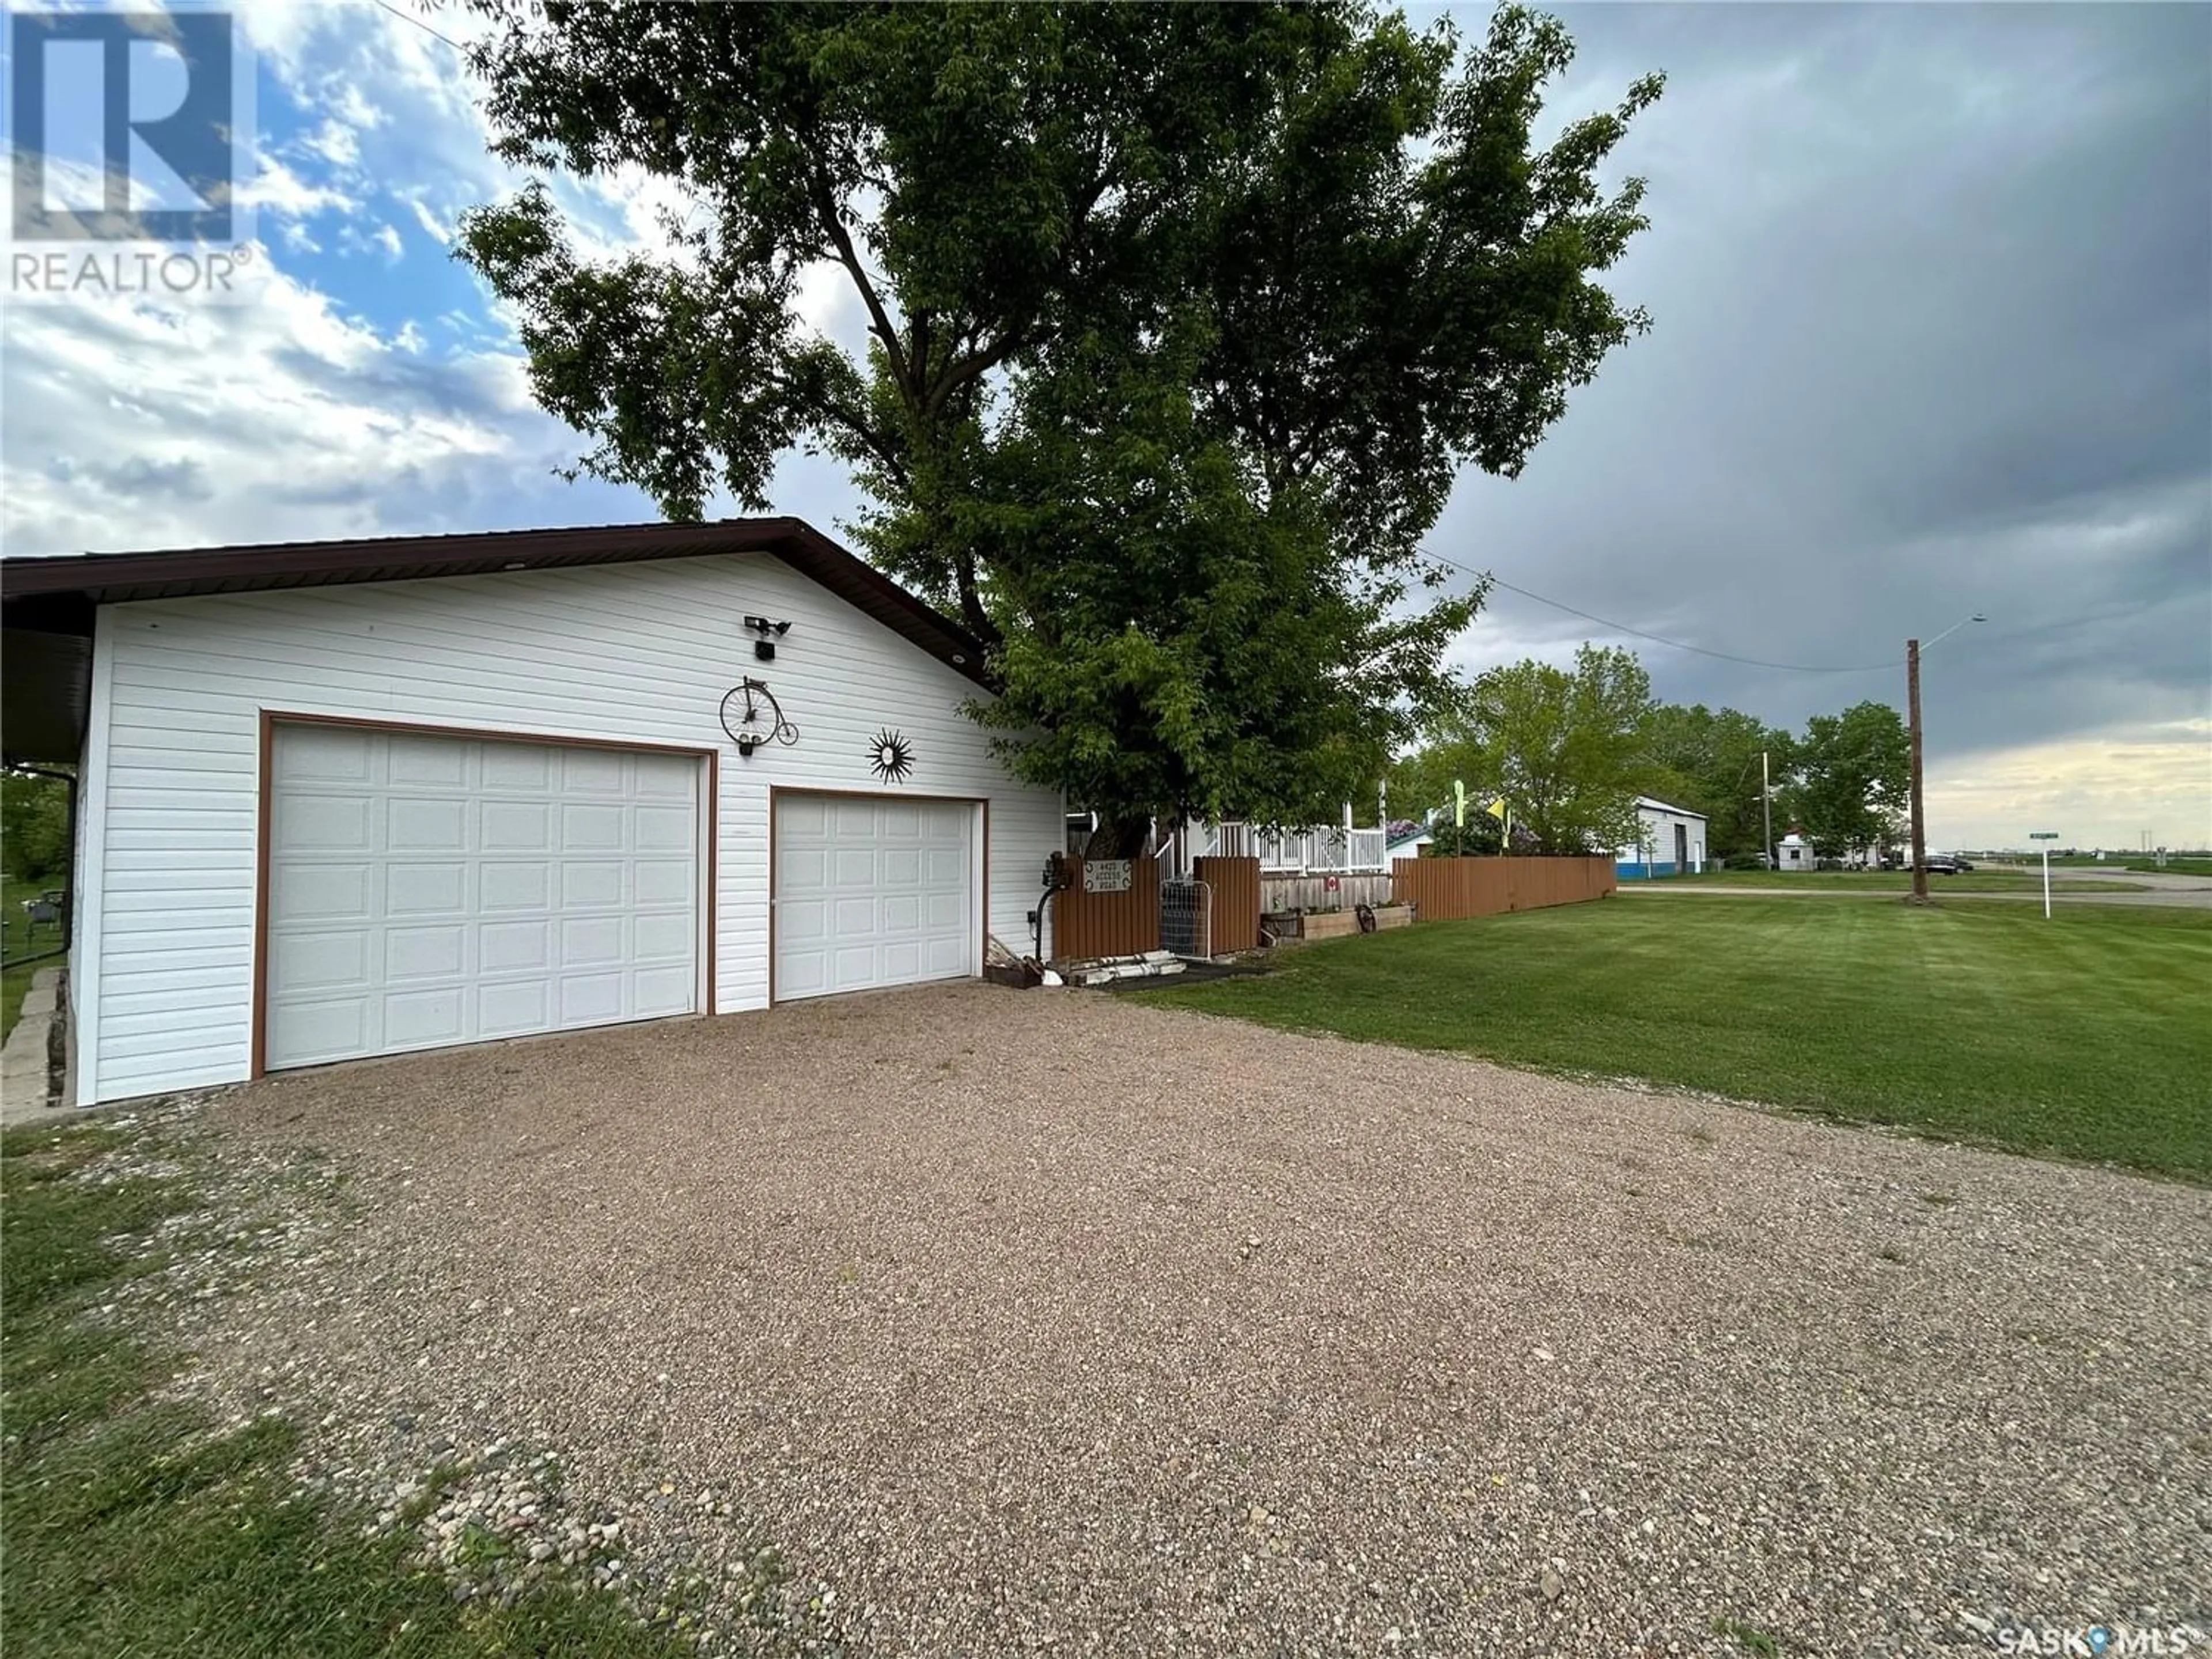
(17,939)
(1890,881)
(2082,1037)
(136,1525)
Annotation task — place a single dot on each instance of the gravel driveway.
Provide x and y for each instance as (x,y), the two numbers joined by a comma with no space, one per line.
(1049,1320)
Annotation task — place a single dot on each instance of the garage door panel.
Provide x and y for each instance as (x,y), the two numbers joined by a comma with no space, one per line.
(326,892)
(436,762)
(424,890)
(662,881)
(662,777)
(425,954)
(590,999)
(427,825)
(872,892)
(590,771)
(656,829)
(660,937)
(515,887)
(801,974)
(592,943)
(515,826)
(319,961)
(802,869)
(662,991)
(343,755)
(325,1031)
(802,923)
(324,823)
(514,947)
(425,1019)
(591,829)
(524,768)
(596,883)
(508,1010)
(500,936)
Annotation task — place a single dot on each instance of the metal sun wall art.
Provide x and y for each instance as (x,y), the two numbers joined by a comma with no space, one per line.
(891,757)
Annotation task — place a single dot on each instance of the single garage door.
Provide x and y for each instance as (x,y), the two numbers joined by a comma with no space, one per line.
(426,891)
(871,893)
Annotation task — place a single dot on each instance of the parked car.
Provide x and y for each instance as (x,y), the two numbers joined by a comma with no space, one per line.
(1948,864)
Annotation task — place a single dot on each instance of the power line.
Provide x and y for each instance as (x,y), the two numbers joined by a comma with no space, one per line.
(409,17)
(1660,638)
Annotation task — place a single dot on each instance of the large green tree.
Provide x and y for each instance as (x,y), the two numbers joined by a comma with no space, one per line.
(34,826)
(1181,321)
(1854,774)
(1564,747)
(1708,760)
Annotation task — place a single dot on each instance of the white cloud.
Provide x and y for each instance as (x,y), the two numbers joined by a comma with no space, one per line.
(276,188)
(440,229)
(2104,789)
(130,426)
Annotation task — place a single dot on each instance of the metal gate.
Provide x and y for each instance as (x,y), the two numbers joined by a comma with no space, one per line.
(1187,917)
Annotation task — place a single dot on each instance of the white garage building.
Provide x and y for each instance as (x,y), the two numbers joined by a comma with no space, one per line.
(1670,840)
(349,798)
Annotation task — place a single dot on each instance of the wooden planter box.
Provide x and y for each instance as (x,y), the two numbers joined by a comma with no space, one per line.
(1333,924)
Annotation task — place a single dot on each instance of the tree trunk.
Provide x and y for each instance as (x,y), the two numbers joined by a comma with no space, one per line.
(1119,838)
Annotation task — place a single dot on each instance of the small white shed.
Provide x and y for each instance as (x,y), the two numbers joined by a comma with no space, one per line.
(1795,851)
(1670,840)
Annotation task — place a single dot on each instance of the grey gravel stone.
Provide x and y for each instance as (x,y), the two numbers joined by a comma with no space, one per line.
(994,1321)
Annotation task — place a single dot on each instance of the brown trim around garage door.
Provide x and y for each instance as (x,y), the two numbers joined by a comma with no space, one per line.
(982,896)
(264,808)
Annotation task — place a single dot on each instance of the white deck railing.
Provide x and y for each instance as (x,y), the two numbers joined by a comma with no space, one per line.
(1322,850)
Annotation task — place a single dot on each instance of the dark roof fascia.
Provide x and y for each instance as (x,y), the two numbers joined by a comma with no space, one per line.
(95,579)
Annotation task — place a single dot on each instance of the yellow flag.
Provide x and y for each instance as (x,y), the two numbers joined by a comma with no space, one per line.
(1497,809)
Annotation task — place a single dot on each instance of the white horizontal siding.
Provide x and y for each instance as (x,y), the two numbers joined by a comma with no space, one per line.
(638,653)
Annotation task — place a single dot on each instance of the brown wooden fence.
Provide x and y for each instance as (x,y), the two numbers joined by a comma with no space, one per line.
(1108,923)
(1235,884)
(1453,890)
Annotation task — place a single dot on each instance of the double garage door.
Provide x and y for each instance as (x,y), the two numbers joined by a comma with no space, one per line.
(426,891)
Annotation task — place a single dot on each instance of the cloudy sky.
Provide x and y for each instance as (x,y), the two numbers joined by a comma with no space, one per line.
(1933,296)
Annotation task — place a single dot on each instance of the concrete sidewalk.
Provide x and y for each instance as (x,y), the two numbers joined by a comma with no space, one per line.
(27,1082)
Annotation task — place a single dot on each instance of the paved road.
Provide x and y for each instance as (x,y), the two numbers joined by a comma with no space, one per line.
(2158,890)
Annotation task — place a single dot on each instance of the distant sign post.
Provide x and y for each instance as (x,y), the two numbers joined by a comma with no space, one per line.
(2046,837)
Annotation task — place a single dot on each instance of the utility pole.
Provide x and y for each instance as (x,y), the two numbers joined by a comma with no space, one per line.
(1912,714)
(1766,806)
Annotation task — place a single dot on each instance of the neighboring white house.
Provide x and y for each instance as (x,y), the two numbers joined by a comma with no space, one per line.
(1794,852)
(1670,840)
(1408,841)
(359,798)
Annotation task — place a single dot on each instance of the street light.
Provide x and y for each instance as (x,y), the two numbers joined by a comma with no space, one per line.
(1912,706)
